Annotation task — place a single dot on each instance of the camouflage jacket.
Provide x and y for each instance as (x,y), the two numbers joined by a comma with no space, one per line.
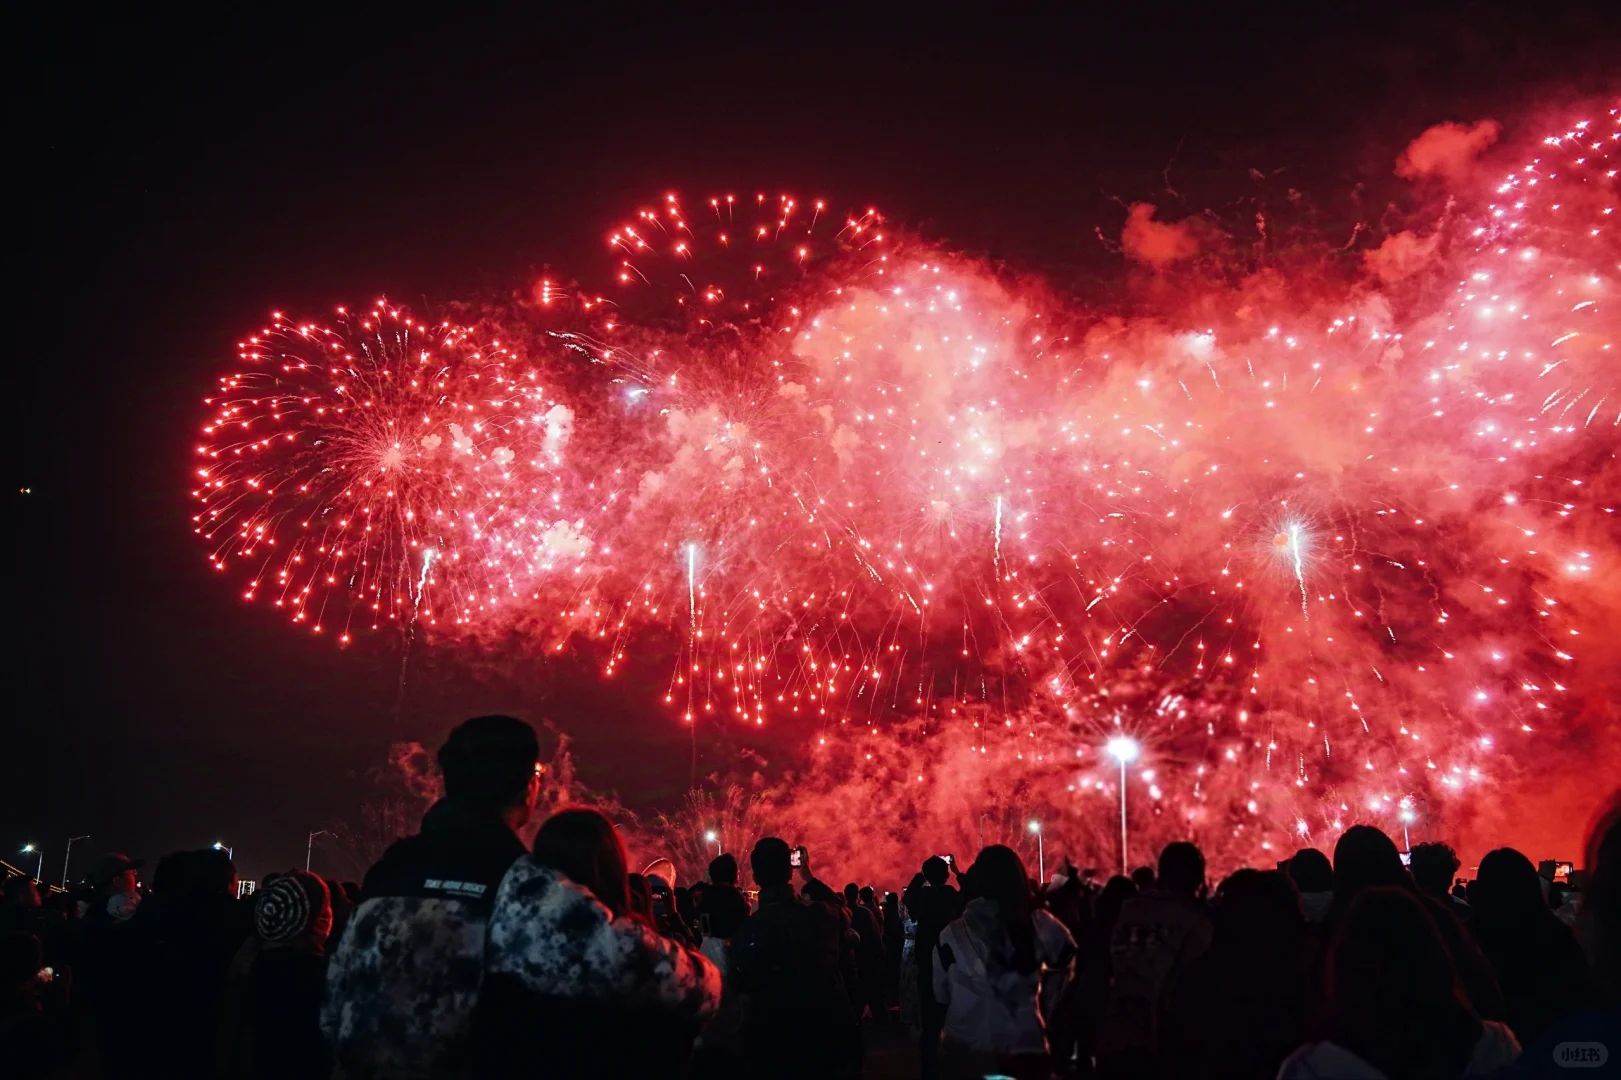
(402,983)
(559,940)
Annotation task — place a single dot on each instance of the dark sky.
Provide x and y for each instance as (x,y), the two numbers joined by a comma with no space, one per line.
(172,182)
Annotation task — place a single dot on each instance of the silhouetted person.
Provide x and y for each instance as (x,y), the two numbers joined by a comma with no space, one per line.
(577,985)
(1540,967)
(187,932)
(722,910)
(869,954)
(1241,1008)
(1434,868)
(117,892)
(1394,1006)
(908,992)
(1366,858)
(1143,878)
(1158,934)
(1000,971)
(786,957)
(35,1032)
(724,907)
(1313,876)
(934,904)
(1070,903)
(1601,917)
(115,955)
(1074,1031)
(1095,951)
(402,982)
(292,917)
(20,908)
(894,943)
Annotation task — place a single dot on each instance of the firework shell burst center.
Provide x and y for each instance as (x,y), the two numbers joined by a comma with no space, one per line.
(1323,546)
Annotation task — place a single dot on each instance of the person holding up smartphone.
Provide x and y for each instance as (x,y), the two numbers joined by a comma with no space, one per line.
(934,904)
(786,958)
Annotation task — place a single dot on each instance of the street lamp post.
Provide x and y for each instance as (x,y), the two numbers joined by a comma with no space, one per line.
(1406,819)
(230,852)
(309,848)
(39,871)
(711,838)
(1041,854)
(1124,750)
(71,841)
(982,818)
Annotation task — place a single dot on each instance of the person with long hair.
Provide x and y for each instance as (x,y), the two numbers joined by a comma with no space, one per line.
(1365,858)
(1576,1039)
(1240,1009)
(1539,964)
(576,983)
(999,972)
(1394,1005)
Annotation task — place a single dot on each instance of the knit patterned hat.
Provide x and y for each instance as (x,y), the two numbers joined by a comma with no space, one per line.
(292,906)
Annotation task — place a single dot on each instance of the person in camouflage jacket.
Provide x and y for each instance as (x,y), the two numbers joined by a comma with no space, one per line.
(575,982)
(402,983)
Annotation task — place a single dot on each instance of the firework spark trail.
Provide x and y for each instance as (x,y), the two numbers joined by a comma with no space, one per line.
(998,559)
(1411,458)
(1293,544)
(692,587)
(422,581)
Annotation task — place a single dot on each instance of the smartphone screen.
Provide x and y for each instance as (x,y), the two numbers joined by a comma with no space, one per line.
(795,859)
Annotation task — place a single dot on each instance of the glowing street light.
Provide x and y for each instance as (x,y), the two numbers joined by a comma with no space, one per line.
(1041,854)
(1123,749)
(230,852)
(710,837)
(39,871)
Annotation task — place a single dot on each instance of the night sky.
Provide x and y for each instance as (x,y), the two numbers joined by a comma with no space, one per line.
(174,182)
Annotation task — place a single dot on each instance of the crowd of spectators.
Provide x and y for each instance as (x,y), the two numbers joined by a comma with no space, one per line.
(467,953)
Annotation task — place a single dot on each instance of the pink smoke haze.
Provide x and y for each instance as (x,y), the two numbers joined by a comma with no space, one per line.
(1446,151)
(1334,547)
(1154,242)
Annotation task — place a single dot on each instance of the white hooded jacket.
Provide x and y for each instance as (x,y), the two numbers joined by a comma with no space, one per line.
(990,1005)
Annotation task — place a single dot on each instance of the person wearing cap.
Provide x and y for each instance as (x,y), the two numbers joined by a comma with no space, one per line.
(117,888)
(402,982)
(292,917)
(114,949)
